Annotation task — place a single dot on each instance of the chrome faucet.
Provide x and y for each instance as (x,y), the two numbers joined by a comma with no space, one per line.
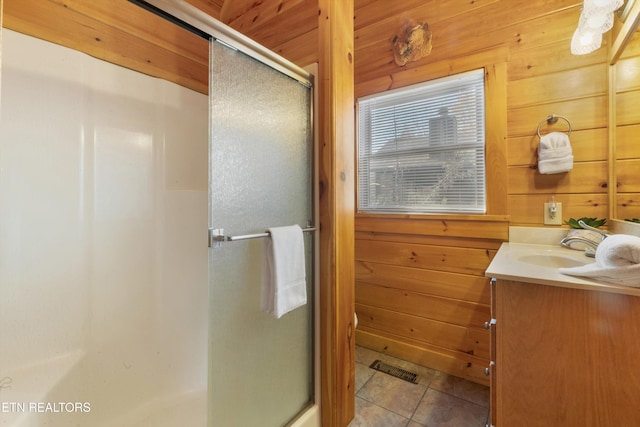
(568,240)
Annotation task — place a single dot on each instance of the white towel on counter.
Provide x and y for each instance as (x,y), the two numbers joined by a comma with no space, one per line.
(284,285)
(554,153)
(617,261)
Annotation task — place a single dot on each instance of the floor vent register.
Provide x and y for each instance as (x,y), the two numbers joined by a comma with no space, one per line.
(403,374)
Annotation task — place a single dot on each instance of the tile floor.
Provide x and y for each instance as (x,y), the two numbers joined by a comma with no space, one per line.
(438,400)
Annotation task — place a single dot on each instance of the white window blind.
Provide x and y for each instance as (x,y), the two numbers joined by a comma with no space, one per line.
(421,148)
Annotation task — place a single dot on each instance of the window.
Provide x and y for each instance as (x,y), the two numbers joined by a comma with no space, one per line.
(421,148)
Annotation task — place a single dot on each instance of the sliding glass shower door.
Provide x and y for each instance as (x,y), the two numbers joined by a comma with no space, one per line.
(260,176)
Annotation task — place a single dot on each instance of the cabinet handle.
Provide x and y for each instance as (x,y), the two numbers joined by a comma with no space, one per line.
(487,371)
(487,325)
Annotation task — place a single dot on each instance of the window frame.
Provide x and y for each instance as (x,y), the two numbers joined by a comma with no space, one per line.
(494,63)
(436,97)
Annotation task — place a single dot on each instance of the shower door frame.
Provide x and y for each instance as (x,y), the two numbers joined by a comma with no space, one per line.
(195,20)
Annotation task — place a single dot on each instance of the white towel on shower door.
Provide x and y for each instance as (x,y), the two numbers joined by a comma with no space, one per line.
(284,285)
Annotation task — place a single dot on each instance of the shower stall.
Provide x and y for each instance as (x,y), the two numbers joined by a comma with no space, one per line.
(116,307)
(103,266)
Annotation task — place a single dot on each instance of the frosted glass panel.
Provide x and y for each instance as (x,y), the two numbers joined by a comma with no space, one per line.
(260,176)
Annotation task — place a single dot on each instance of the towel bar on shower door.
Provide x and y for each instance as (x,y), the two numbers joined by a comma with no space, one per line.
(216,236)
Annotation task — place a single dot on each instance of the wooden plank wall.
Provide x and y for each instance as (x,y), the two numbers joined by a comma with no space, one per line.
(124,34)
(542,78)
(420,292)
(116,31)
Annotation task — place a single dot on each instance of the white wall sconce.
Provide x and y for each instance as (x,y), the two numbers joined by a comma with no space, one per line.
(596,18)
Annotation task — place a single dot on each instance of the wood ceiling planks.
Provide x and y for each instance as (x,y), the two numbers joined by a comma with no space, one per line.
(120,32)
(116,31)
(210,7)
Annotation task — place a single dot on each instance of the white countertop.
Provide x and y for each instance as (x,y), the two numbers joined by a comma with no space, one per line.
(534,263)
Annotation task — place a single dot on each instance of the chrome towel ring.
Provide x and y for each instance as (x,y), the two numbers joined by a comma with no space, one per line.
(552,120)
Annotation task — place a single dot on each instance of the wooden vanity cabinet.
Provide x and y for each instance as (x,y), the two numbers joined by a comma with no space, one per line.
(565,357)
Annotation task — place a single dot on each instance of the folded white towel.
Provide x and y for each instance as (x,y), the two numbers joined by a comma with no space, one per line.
(554,153)
(284,285)
(617,261)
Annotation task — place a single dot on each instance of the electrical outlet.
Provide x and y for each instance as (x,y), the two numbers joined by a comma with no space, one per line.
(550,217)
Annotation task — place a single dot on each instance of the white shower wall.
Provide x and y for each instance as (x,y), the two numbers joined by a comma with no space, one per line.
(103,252)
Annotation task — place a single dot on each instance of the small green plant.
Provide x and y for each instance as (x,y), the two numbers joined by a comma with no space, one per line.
(633,220)
(573,223)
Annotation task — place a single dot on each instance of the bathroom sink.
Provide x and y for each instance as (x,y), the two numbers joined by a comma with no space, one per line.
(542,263)
(533,257)
(553,260)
